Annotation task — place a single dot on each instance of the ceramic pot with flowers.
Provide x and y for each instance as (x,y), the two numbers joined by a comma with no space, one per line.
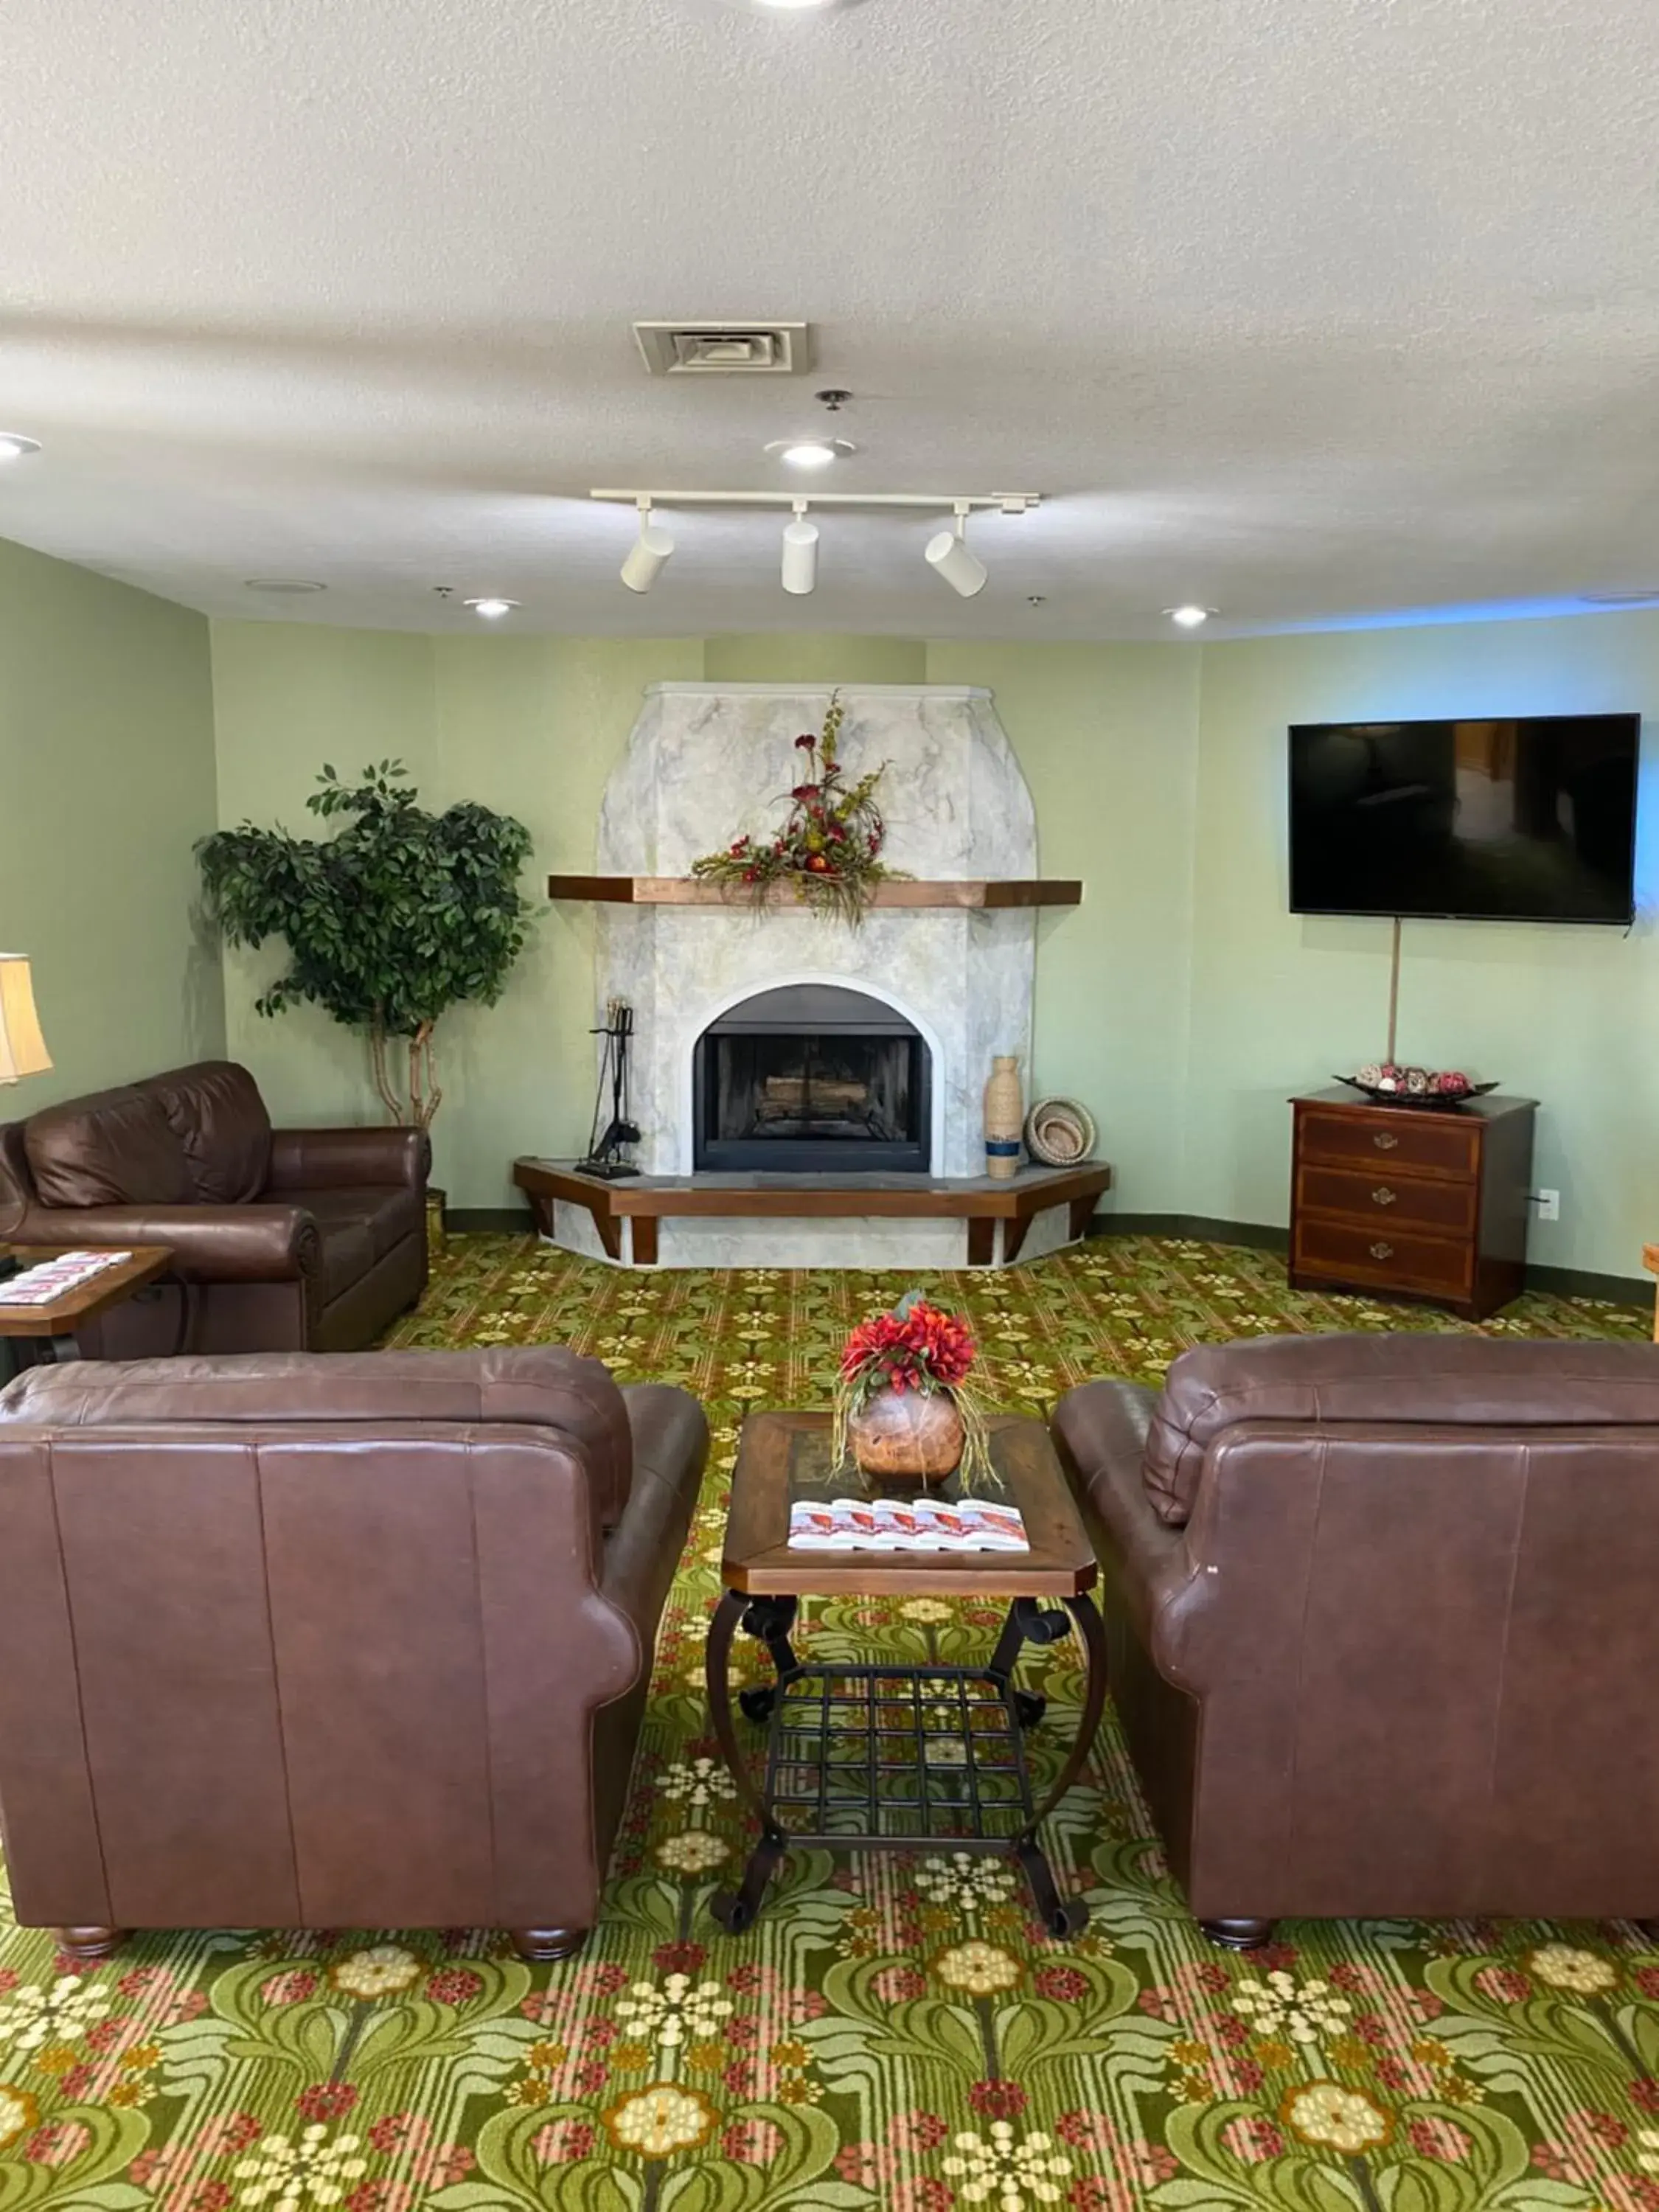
(902,1412)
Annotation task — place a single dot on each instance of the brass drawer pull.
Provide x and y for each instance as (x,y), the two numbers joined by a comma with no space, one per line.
(1381,1251)
(1385,1140)
(1384,1196)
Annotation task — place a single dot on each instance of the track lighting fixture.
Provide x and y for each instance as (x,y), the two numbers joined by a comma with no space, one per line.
(650,553)
(948,556)
(800,553)
(947,552)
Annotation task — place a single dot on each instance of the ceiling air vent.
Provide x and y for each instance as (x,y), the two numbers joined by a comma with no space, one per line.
(725,349)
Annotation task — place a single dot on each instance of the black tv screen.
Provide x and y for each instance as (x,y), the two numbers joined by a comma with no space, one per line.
(1529,819)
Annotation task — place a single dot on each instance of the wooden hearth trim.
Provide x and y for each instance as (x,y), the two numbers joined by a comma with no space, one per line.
(645,1199)
(974,892)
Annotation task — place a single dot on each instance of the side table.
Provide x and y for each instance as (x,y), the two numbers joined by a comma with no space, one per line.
(46,1332)
(891,1756)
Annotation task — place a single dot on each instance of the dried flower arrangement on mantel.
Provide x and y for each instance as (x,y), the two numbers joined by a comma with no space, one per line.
(829,849)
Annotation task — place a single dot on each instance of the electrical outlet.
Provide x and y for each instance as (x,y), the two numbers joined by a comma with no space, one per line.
(1549,1204)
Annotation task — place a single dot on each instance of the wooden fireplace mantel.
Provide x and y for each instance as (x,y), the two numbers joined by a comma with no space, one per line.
(971,891)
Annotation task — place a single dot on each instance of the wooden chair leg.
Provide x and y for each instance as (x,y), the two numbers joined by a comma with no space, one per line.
(537,1944)
(90,1943)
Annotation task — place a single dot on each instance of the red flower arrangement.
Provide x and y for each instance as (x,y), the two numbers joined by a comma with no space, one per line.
(918,1348)
(829,849)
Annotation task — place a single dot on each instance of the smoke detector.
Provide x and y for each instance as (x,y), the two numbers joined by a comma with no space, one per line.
(725,349)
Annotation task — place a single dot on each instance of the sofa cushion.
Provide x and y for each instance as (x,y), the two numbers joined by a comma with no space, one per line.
(1459,1380)
(115,1148)
(216,1113)
(543,1385)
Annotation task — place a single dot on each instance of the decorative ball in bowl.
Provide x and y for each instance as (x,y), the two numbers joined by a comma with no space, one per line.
(1392,1085)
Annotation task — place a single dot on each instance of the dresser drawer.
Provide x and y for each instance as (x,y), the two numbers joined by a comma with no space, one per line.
(1441,1144)
(1389,1258)
(1441,1204)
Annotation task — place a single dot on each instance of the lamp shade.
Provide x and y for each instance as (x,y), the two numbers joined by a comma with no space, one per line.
(22,1047)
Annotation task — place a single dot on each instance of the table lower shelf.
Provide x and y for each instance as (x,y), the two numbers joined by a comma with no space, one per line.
(897,1757)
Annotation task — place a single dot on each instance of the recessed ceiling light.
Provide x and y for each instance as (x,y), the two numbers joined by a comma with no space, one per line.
(14,445)
(1189,617)
(811,452)
(492,610)
(293,585)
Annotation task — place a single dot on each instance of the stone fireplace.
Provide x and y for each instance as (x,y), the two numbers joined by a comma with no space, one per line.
(776,1041)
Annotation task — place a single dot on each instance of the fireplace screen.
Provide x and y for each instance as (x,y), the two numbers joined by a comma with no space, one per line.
(811,1079)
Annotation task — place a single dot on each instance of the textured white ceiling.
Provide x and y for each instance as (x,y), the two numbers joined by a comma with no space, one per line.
(1310,309)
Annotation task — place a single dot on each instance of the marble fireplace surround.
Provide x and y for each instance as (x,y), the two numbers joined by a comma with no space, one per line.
(708,760)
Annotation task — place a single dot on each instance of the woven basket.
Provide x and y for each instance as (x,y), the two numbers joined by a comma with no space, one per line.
(1059,1132)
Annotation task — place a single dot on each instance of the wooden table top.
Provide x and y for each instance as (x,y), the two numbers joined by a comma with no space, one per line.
(781,1457)
(143,1263)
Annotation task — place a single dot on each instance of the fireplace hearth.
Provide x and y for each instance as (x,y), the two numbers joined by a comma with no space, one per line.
(812,1078)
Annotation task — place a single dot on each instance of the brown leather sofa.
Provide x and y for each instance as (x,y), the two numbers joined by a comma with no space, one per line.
(1382,1622)
(308,1240)
(352,1642)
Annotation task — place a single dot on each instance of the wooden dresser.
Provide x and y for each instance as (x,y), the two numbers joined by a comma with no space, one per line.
(1422,1203)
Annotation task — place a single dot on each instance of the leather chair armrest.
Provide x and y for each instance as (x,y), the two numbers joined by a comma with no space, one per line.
(210,1243)
(671,1443)
(320,1159)
(1100,1433)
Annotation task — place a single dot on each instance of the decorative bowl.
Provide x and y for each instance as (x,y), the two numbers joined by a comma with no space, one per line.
(1440,1090)
(908,1436)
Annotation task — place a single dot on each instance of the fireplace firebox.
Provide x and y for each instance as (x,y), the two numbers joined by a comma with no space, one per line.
(812,1079)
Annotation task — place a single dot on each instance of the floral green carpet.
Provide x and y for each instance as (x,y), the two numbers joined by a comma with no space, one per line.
(893,2032)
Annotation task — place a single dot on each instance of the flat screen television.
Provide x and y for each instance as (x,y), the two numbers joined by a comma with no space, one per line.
(1528,819)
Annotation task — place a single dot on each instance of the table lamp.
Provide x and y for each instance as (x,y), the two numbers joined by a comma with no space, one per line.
(22,1049)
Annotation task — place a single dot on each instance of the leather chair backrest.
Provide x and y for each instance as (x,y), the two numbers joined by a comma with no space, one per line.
(216,1113)
(1330,1381)
(544,1386)
(114,1148)
(268,1660)
(16,1181)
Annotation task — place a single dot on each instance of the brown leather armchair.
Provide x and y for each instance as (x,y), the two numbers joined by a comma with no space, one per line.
(1381,1623)
(352,1642)
(305,1239)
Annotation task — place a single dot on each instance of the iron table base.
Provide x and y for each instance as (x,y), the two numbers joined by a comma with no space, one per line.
(885,1758)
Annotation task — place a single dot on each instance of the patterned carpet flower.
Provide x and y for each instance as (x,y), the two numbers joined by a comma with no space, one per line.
(286,2174)
(1565,1967)
(35,2015)
(1016,2171)
(382,1971)
(1332,2117)
(19,2112)
(980,1970)
(680,2011)
(698,1784)
(1279,2005)
(964,1882)
(693,1851)
(660,2120)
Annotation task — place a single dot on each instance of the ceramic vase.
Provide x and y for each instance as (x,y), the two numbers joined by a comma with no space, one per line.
(1004,1112)
(910,1436)
(436,1240)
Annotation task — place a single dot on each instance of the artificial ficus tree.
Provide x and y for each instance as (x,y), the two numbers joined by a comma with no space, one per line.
(395,918)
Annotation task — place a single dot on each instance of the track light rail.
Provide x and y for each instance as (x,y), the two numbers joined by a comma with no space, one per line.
(1009,502)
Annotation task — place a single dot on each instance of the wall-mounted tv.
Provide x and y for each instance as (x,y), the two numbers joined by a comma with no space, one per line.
(1528,819)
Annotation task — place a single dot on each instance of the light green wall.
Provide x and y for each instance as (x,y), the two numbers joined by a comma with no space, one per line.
(106,780)
(1567,1016)
(1107,736)
(1180,1002)
(808,660)
(529,725)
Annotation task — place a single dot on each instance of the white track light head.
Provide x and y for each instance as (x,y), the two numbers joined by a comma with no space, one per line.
(948,555)
(800,553)
(649,553)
